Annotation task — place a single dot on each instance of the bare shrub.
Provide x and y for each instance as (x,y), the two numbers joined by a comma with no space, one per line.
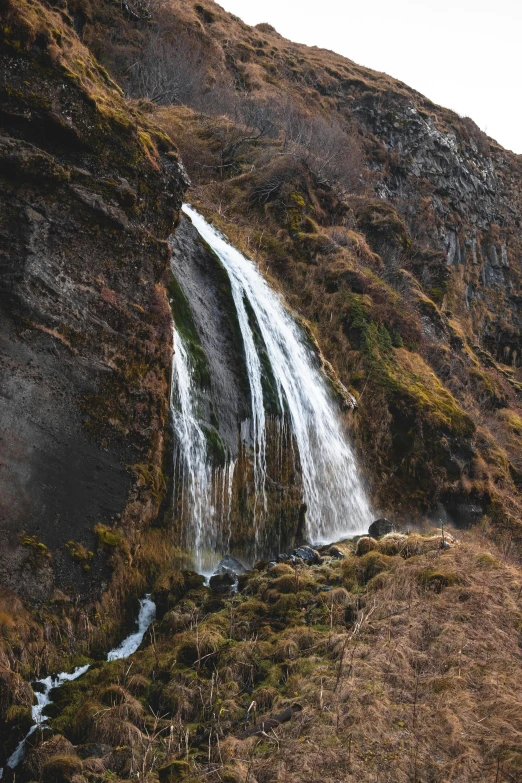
(333,155)
(167,72)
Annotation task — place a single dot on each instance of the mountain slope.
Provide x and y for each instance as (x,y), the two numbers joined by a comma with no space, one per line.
(390,223)
(392,227)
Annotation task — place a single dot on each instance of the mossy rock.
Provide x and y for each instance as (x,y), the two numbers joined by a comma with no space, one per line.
(437,579)
(360,570)
(487,561)
(193,580)
(110,537)
(113,694)
(199,648)
(19,717)
(173,771)
(366,544)
(61,769)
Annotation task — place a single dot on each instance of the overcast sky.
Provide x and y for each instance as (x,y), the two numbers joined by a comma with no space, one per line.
(463,54)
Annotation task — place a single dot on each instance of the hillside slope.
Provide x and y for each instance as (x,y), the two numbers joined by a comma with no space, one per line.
(391,224)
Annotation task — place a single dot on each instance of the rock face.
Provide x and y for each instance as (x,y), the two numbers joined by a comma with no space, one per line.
(89,193)
(230,565)
(473,188)
(205,286)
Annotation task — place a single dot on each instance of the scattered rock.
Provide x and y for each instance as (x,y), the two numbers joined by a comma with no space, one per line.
(380,528)
(335,551)
(307,554)
(230,565)
(272,564)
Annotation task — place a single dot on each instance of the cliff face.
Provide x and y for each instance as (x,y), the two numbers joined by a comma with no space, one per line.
(89,193)
(390,223)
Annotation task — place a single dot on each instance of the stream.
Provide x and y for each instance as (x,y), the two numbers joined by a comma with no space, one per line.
(127,647)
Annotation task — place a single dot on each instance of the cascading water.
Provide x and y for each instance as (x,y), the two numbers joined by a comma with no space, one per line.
(192,466)
(128,646)
(332,490)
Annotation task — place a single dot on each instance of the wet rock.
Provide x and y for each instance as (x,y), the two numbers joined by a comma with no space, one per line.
(230,565)
(380,528)
(272,564)
(307,554)
(283,558)
(222,583)
(335,551)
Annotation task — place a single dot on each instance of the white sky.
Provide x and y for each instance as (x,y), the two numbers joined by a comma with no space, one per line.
(462,54)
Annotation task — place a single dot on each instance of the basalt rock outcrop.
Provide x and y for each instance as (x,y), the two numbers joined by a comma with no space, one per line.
(89,193)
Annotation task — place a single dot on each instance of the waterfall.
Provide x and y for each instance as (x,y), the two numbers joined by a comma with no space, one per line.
(335,498)
(205,499)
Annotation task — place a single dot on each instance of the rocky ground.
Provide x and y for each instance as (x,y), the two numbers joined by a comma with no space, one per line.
(395,656)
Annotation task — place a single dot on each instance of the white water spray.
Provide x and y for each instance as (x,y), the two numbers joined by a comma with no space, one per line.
(205,498)
(336,501)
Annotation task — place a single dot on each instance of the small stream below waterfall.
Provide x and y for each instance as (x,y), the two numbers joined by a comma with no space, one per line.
(127,647)
(332,488)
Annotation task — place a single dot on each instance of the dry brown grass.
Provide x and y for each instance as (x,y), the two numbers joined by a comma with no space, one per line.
(407,667)
(427,688)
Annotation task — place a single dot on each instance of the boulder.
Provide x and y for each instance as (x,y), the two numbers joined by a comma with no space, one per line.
(307,554)
(380,527)
(230,565)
